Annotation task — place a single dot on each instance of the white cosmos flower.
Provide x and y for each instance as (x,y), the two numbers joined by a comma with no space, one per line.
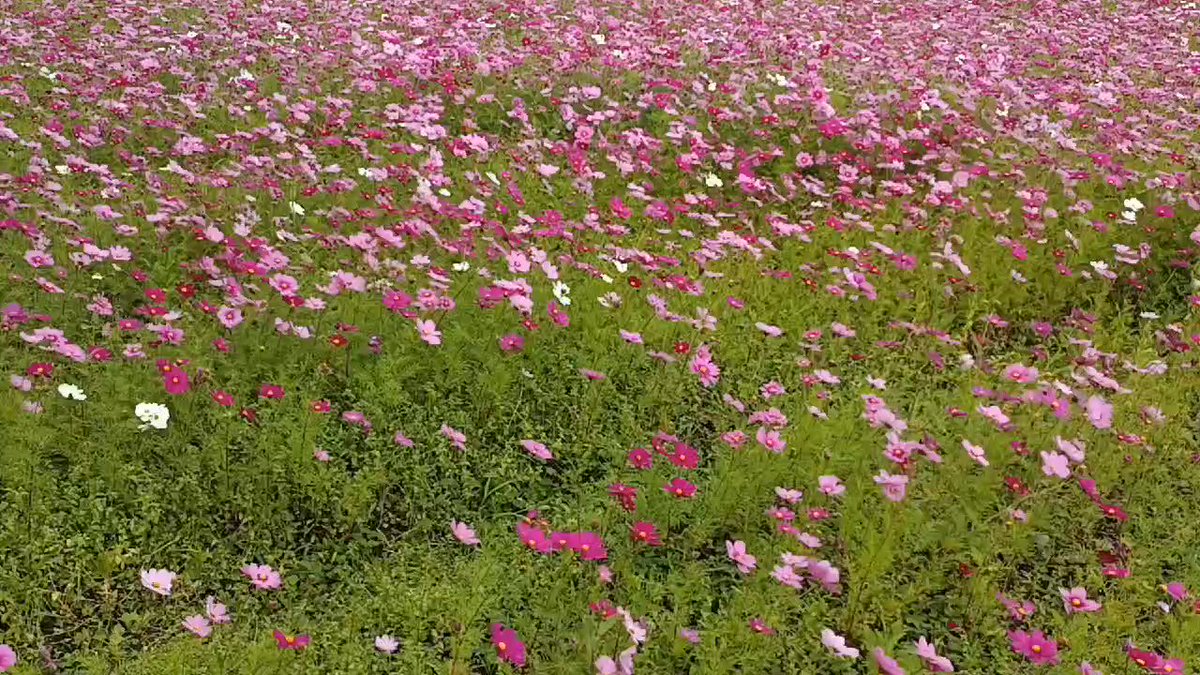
(72,392)
(152,415)
(461,266)
(562,292)
(296,208)
(1133,204)
(713,180)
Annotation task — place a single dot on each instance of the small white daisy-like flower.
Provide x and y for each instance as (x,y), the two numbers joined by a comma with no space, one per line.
(562,292)
(72,392)
(296,208)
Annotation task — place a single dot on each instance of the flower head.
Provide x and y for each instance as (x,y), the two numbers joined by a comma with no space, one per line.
(294,643)
(1034,646)
(263,577)
(509,647)
(386,644)
(159,581)
(198,625)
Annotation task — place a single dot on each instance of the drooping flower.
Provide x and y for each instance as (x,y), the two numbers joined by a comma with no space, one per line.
(538,450)
(886,664)
(464,533)
(837,644)
(928,653)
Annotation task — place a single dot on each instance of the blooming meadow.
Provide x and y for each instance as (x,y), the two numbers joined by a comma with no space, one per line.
(560,337)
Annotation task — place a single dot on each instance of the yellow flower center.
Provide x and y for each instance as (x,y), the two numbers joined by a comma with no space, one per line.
(1037,649)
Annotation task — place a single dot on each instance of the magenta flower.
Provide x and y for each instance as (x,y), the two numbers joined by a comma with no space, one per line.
(680,488)
(263,577)
(8,658)
(512,343)
(760,627)
(1017,610)
(271,391)
(1034,646)
(176,382)
(1076,600)
(641,459)
(534,538)
(509,647)
(645,533)
(295,643)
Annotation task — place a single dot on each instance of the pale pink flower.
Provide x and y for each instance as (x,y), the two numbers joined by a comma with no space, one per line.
(1055,464)
(198,625)
(538,450)
(1076,600)
(263,577)
(464,533)
(831,486)
(928,654)
(159,581)
(216,611)
(837,644)
(736,550)
(429,332)
(895,487)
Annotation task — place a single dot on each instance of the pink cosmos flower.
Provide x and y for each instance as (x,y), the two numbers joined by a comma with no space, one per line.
(216,611)
(1055,464)
(1021,374)
(176,382)
(680,488)
(230,317)
(1099,412)
(538,450)
(831,486)
(1177,591)
(928,654)
(1076,600)
(457,438)
(271,391)
(534,538)
(428,332)
(593,375)
(788,495)
(263,577)
(159,581)
(736,550)
(895,487)
(771,440)
(1086,668)
(760,627)
(769,330)
(8,658)
(464,533)
(509,647)
(1034,646)
(975,452)
(631,338)
(294,643)
(837,644)
(641,459)
(703,366)
(198,625)
(512,343)
(886,664)
(645,533)
(1017,610)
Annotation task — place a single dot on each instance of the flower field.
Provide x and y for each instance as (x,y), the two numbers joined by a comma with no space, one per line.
(581,336)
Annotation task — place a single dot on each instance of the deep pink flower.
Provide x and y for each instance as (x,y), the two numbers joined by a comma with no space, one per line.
(680,488)
(271,391)
(641,459)
(512,343)
(296,643)
(509,647)
(1035,646)
(645,533)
